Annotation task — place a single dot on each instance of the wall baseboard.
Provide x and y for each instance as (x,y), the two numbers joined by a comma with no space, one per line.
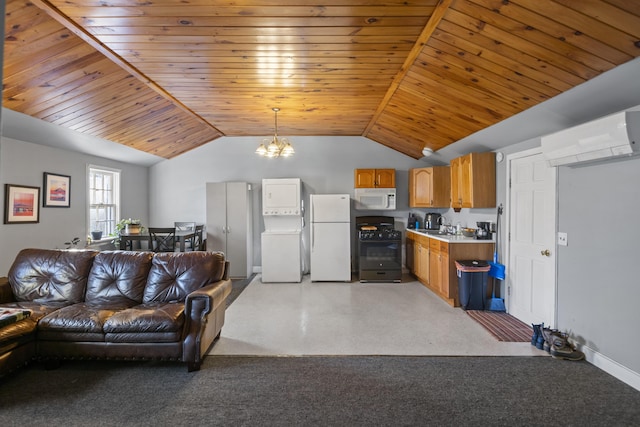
(612,367)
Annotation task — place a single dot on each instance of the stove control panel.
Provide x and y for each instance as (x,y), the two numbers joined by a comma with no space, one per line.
(380,235)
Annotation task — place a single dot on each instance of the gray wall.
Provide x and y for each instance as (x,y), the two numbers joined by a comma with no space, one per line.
(23,163)
(325,165)
(598,285)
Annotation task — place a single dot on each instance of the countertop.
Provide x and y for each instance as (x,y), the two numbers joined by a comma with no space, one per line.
(449,238)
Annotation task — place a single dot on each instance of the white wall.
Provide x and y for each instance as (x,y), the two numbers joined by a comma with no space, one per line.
(23,163)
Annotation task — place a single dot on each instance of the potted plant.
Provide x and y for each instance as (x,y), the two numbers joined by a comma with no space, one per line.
(96,233)
(73,243)
(131,226)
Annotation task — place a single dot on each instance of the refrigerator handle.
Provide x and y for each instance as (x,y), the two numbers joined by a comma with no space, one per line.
(312,235)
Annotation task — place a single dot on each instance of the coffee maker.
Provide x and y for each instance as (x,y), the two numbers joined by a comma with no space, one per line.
(432,221)
(483,232)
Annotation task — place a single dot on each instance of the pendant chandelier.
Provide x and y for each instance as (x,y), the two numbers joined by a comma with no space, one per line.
(275,147)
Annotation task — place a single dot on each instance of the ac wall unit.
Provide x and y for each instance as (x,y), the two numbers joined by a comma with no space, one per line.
(608,137)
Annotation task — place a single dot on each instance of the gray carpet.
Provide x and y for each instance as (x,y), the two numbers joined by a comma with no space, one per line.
(320,391)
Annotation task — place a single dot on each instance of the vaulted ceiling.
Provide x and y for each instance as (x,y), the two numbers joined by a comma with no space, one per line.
(166,76)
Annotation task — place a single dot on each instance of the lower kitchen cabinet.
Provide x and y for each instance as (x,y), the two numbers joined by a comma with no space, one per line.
(424,269)
(417,251)
(434,262)
(438,266)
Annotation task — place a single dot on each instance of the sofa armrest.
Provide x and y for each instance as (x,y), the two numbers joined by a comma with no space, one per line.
(6,294)
(225,276)
(202,320)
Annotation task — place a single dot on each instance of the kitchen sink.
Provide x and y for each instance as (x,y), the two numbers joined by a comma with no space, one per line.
(432,232)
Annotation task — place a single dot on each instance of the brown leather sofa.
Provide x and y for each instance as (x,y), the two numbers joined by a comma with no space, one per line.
(113,305)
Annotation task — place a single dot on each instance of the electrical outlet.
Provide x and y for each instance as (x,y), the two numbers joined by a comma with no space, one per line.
(562,239)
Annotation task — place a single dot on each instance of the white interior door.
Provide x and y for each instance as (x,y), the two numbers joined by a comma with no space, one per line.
(531,270)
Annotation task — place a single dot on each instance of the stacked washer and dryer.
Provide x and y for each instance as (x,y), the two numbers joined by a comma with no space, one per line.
(282,243)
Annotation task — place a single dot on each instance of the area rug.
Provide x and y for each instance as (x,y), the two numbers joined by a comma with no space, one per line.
(502,325)
(328,391)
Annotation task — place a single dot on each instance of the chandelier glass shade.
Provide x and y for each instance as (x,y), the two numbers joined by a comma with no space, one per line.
(275,147)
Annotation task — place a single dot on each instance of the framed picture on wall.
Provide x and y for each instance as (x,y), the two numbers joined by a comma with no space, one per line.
(21,204)
(57,191)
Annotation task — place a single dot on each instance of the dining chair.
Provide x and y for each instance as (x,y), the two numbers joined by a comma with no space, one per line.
(186,226)
(162,239)
(198,239)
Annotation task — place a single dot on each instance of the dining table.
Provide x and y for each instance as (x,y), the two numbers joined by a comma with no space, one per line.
(127,239)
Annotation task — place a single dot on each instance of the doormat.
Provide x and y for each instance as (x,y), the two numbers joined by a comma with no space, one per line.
(503,326)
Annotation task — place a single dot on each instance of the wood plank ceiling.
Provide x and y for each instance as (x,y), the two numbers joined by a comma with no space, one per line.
(167,76)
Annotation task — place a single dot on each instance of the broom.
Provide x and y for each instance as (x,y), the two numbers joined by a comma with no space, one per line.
(496,271)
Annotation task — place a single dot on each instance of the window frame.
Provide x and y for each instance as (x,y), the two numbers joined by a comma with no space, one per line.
(110,220)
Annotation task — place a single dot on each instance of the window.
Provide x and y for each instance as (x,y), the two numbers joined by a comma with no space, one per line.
(104,199)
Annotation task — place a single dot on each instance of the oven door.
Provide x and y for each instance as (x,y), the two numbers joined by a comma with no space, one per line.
(380,255)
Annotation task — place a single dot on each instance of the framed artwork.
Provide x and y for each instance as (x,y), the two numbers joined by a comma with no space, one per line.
(57,191)
(21,204)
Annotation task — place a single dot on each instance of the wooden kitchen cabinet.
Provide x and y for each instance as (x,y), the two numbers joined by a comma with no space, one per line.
(439,267)
(434,262)
(375,178)
(424,268)
(417,253)
(473,181)
(430,187)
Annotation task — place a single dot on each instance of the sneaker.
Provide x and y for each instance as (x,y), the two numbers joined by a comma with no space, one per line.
(548,335)
(561,348)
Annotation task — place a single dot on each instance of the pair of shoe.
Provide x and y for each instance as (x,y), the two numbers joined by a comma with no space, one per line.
(557,344)
(537,338)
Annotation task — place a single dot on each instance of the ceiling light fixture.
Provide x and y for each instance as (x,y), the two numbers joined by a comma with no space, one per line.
(426,151)
(275,147)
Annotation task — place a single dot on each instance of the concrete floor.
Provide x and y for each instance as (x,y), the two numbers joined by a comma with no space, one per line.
(336,318)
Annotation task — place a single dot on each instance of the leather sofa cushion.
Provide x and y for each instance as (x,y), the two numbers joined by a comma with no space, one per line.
(118,277)
(78,318)
(17,330)
(50,275)
(26,327)
(154,322)
(175,275)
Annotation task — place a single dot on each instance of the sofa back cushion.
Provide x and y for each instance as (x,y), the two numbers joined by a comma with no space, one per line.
(118,277)
(175,275)
(50,275)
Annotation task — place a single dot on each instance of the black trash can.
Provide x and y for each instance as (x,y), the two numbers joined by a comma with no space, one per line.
(472,283)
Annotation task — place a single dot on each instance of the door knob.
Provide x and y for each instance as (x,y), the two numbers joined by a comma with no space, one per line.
(546,252)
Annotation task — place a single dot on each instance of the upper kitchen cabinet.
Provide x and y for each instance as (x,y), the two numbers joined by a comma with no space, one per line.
(430,187)
(375,178)
(473,181)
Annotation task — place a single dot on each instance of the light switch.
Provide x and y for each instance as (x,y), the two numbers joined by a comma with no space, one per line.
(562,239)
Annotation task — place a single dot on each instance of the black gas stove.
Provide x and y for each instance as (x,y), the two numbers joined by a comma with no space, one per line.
(379,249)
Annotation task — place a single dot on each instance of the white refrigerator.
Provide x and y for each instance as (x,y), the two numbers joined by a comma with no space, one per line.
(330,235)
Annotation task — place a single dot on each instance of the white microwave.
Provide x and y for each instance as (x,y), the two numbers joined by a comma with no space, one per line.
(375,198)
